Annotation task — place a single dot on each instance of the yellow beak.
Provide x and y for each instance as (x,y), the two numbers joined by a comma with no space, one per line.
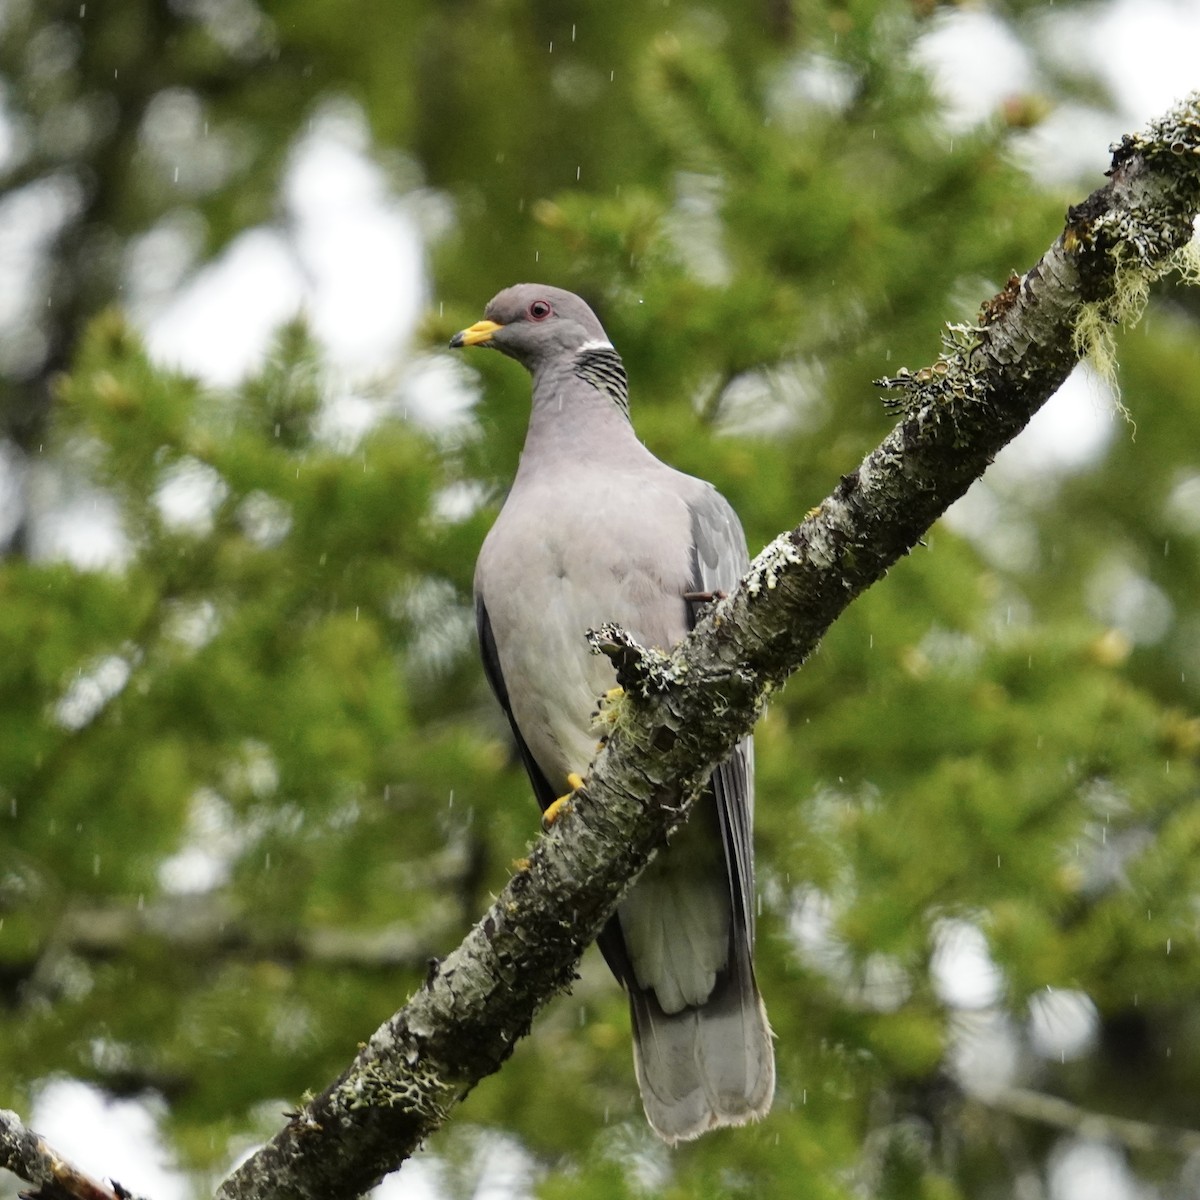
(479,334)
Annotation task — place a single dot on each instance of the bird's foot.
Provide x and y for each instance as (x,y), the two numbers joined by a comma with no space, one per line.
(605,717)
(563,803)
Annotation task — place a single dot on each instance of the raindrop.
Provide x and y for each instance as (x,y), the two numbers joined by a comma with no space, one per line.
(572,33)
(114,72)
(537,254)
(551,47)
(611,76)
(356,612)
(82,9)
(1168,945)
(176,178)
(451,804)
(804,1095)
(12,808)
(577,170)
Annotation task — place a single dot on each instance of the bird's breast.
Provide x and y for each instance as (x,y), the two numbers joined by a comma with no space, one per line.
(572,552)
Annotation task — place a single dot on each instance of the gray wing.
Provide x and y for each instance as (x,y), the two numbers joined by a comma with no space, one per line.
(719,559)
(713,1064)
(495,677)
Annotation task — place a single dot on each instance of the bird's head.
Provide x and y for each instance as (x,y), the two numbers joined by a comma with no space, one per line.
(535,324)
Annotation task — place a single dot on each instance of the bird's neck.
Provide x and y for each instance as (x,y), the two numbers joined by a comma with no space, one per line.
(581,403)
(599,366)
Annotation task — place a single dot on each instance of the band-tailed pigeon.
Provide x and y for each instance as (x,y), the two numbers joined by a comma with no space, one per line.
(596,529)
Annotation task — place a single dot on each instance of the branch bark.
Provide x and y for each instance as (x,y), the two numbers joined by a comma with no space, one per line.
(27,1155)
(683,712)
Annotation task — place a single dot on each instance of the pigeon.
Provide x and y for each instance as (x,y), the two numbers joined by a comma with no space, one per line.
(595,529)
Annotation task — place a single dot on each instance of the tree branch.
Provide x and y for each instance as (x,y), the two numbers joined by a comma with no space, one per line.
(207,928)
(25,1154)
(683,712)
(1058,1113)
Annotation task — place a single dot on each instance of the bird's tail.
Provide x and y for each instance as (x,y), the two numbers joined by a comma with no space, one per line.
(705,1066)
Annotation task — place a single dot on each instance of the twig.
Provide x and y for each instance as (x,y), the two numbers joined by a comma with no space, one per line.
(1062,1114)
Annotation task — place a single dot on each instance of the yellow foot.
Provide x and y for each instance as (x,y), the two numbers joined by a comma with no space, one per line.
(563,803)
(607,709)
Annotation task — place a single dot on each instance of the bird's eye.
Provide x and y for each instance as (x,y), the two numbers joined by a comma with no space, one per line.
(539,310)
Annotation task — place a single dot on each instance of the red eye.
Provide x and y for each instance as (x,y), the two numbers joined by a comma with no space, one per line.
(539,310)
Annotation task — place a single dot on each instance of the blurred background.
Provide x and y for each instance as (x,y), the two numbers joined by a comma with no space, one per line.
(250,776)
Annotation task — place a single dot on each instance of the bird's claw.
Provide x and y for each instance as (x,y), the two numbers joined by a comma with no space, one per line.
(563,803)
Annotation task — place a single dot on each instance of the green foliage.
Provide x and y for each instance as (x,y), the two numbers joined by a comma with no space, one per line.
(265,731)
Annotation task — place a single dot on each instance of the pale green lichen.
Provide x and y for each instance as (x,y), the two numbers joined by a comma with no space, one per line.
(373,1087)
(1187,261)
(1094,337)
(773,562)
(1142,240)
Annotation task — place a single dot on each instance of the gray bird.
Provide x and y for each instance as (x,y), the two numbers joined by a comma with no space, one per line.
(596,529)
